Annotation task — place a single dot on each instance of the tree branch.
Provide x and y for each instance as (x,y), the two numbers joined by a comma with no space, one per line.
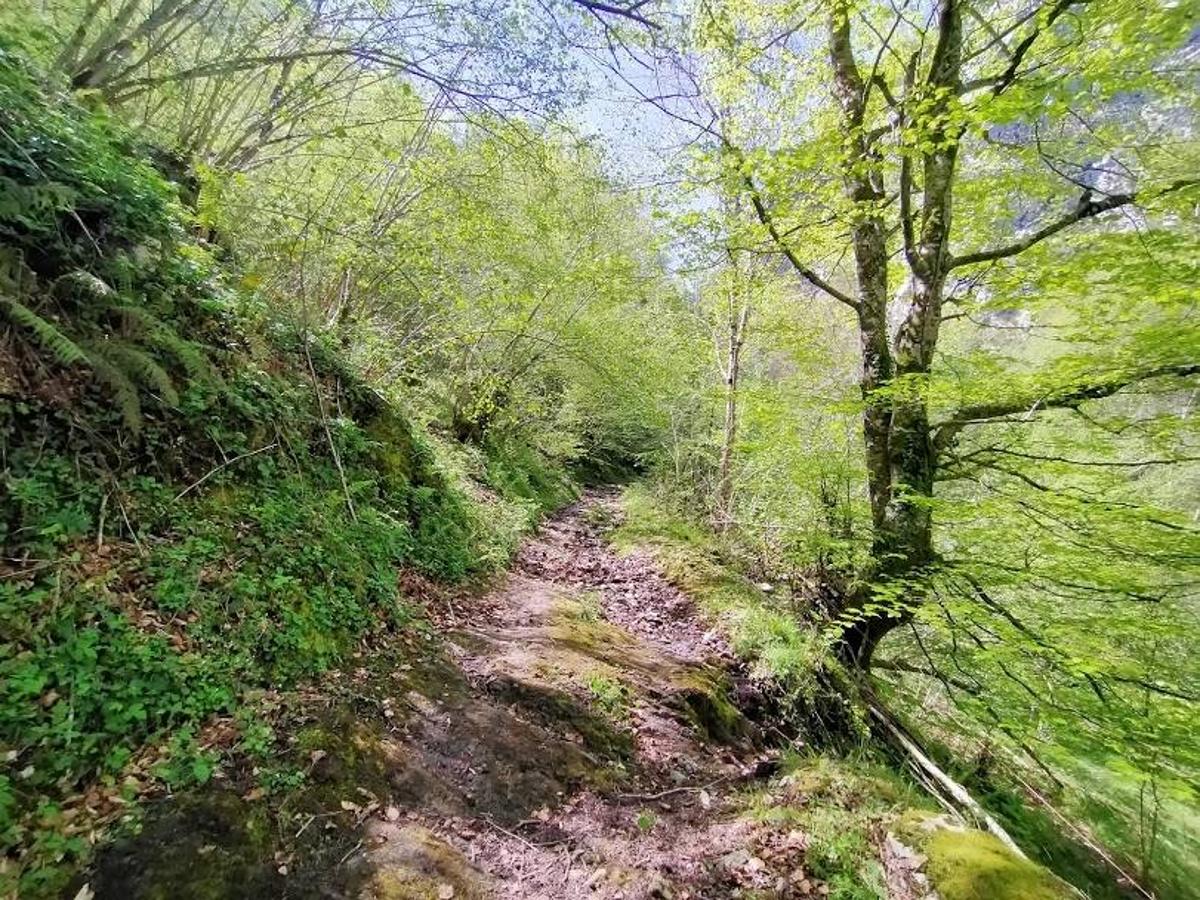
(127,88)
(624,11)
(1155,688)
(764,216)
(1086,208)
(1002,81)
(898,665)
(1103,463)
(946,432)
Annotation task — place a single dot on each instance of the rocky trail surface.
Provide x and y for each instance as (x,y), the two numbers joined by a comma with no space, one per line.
(577,731)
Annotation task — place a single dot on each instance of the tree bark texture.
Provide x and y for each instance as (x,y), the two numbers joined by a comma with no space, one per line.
(898,443)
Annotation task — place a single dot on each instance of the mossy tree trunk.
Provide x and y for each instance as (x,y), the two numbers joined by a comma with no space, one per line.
(902,446)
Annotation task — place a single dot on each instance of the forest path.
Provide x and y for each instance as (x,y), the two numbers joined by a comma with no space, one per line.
(578,730)
(597,748)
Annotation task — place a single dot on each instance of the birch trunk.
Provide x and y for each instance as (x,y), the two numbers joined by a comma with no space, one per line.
(737,337)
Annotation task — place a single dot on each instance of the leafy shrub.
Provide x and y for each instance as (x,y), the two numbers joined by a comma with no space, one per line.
(519,472)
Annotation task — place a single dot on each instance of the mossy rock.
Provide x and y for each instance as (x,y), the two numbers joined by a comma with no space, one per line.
(579,626)
(209,846)
(414,864)
(396,452)
(349,756)
(972,865)
(703,698)
(560,710)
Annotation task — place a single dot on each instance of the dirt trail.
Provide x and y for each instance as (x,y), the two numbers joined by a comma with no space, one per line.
(576,628)
(579,731)
(575,732)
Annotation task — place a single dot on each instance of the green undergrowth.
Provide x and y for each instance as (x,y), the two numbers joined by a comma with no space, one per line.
(846,807)
(518,472)
(609,695)
(1044,839)
(972,865)
(1098,798)
(1105,794)
(840,800)
(692,557)
(1095,804)
(841,806)
(297,773)
(198,499)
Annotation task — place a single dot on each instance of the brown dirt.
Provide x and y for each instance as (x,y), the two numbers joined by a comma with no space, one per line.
(656,817)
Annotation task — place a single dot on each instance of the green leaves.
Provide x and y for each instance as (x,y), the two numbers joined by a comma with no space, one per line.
(1056,371)
(64,351)
(78,200)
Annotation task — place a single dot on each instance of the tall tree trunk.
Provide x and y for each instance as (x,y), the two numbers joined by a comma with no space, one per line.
(900,454)
(862,182)
(737,337)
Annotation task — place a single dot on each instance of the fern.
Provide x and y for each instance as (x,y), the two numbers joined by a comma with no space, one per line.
(64,350)
(87,305)
(125,392)
(191,357)
(131,360)
(137,320)
(121,365)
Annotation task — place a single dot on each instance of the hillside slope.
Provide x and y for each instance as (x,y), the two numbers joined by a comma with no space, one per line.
(199,500)
(256,635)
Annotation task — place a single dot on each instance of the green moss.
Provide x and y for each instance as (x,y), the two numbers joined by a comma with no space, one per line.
(609,696)
(346,753)
(558,709)
(576,624)
(205,847)
(704,697)
(855,783)
(974,865)
(416,865)
(395,449)
(400,884)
